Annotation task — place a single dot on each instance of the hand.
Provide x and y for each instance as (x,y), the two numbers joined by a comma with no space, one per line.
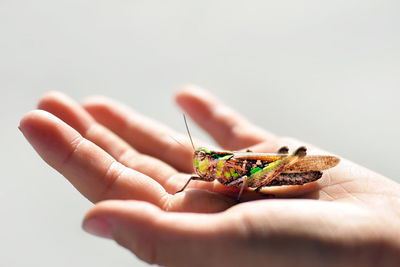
(130,166)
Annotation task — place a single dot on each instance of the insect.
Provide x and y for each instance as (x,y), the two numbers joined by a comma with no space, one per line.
(257,170)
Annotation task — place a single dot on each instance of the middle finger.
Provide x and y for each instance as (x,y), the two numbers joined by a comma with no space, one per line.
(144,134)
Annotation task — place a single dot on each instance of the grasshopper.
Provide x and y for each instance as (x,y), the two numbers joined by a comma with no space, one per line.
(257,170)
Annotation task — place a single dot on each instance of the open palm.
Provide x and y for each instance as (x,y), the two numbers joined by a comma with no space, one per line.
(350,217)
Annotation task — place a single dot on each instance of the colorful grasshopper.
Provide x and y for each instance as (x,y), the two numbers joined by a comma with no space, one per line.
(257,170)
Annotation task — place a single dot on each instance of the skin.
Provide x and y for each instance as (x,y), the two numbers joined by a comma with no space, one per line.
(129,166)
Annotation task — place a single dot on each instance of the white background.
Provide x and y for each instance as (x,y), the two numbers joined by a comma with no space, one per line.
(326,72)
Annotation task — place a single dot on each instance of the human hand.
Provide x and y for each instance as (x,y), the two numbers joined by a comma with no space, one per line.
(350,217)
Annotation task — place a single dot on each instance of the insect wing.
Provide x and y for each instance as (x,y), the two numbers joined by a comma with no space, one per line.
(306,164)
(314,163)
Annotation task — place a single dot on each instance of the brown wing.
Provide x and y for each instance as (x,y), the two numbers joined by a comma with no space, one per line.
(306,164)
(314,163)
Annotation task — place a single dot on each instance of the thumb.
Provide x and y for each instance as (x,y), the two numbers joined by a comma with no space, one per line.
(165,238)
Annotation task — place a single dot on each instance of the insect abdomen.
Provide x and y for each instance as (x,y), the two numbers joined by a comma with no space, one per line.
(296,178)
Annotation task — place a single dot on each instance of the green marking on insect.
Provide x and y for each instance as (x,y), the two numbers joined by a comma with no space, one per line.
(203,165)
(234,173)
(272,165)
(257,170)
(196,162)
(257,174)
(220,166)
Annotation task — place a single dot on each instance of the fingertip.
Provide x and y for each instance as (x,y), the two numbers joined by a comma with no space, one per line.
(230,129)
(103,218)
(67,109)
(36,122)
(190,93)
(97,226)
(96,106)
(49,98)
(105,110)
(56,103)
(182,94)
(195,102)
(95,100)
(48,135)
(97,219)
(189,89)
(25,121)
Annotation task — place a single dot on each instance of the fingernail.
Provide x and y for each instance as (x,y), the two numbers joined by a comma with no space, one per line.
(97,226)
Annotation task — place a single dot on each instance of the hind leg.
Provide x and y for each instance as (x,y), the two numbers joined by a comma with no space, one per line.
(236,182)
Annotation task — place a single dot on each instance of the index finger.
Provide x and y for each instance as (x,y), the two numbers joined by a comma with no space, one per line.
(90,169)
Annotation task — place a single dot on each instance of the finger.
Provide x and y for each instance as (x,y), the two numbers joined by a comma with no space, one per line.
(89,168)
(228,128)
(74,115)
(145,135)
(156,236)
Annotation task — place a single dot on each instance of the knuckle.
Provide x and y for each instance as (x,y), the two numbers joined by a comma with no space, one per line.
(111,176)
(75,144)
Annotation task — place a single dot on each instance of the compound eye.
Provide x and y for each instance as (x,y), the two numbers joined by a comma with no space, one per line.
(202,155)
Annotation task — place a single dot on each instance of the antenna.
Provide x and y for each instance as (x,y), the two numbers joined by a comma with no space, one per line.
(187,129)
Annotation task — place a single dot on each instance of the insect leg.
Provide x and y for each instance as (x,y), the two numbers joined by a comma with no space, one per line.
(264,176)
(190,179)
(237,181)
(244,184)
